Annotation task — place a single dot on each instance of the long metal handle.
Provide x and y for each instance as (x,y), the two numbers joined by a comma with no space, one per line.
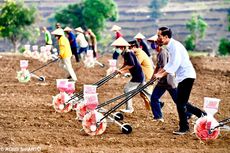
(135,92)
(117,98)
(221,124)
(98,84)
(45,65)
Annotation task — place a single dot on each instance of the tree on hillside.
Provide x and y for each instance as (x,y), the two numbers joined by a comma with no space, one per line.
(15,20)
(224,46)
(155,7)
(89,13)
(197,27)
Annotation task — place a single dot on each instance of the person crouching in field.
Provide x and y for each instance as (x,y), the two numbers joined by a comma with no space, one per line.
(65,52)
(180,64)
(131,65)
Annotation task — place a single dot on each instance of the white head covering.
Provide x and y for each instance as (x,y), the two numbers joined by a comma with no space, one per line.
(139,36)
(67,29)
(115,28)
(153,38)
(120,42)
(58,32)
(79,29)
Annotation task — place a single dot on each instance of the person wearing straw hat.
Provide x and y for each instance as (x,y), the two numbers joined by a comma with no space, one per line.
(131,65)
(65,52)
(118,34)
(180,64)
(72,41)
(83,44)
(142,44)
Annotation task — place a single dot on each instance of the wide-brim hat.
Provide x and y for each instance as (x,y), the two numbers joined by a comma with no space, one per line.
(79,29)
(120,42)
(67,29)
(115,28)
(139,36)
(153,38)
(58,32)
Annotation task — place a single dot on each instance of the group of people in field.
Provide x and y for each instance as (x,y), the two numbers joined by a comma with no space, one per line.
(173,68)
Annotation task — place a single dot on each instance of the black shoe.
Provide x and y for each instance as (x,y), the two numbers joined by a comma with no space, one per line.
(181,132)
(69,77)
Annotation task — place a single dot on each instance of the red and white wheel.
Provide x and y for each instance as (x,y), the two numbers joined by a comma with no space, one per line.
(58,103)
(203,126)
(89,123)
(81,110)
(23,76)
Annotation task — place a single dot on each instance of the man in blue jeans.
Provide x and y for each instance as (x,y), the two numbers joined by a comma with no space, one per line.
(162,85)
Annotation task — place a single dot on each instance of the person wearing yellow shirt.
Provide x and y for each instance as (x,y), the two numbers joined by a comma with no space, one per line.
(65,52)
(146,65)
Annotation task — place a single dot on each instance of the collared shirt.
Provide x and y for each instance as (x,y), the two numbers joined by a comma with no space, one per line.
(179,61)
(64,47)
(145,62)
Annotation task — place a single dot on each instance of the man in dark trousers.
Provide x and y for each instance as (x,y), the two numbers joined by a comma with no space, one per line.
(180,64)
(73,42)
(131,65)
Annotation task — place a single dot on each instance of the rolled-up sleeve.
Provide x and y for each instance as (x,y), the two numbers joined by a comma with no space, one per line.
(174,61)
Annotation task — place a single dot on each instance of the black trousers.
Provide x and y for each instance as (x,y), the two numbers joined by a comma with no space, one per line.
(184,89)
(74,52)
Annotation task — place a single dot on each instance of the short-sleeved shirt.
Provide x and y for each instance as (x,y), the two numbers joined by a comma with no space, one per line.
(145,62)
(136,71)
(64,47)
(72,40)
(48,38)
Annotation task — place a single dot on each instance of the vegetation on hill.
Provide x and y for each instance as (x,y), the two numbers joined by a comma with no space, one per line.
(197,28)
(87,14)
(155,7)
(224,47)
(16,21)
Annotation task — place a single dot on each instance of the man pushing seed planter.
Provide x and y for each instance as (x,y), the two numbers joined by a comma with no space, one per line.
(131,65)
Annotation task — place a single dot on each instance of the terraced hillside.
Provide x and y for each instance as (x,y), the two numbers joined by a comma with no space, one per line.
(134,17)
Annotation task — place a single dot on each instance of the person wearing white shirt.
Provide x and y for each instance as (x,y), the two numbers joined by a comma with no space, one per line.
(180,64)
(81,41)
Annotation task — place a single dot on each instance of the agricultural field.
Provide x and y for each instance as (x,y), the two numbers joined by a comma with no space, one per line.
(29,121)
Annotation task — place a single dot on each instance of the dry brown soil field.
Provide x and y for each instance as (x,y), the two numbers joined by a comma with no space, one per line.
(28,122)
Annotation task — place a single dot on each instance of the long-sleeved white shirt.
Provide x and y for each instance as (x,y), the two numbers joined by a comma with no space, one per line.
(179,61)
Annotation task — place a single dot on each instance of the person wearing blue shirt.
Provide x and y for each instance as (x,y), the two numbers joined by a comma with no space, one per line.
(73,42)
